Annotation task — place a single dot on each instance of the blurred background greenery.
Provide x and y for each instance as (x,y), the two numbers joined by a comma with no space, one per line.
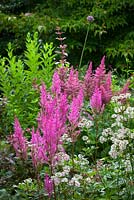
(111,33)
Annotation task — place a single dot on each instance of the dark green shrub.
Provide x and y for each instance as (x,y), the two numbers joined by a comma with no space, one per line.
(111,33)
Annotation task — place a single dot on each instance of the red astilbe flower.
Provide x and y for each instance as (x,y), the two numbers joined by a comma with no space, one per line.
(96,101)
(18,141)
(48,185)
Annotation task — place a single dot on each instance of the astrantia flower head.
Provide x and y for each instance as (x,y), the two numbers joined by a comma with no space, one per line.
(90,18)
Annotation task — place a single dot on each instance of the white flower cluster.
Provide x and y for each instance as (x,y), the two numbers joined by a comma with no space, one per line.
(84,122)
(116,99)
(66,174)
(75,180)
(82,161)
(119,133)
(66,138)
(86,139)
(117,147)
(60,158)
(61,177)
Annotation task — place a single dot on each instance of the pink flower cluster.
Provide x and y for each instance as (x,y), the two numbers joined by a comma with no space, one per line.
(18,141)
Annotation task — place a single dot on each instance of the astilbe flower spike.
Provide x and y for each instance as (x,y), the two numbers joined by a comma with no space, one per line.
(100,73)
(88,83)
(38,151)
(96,101)
(18,141)
(51,123)
(74,115)
(75,108)
(72,85)
(106,90)
(56,84)
(48,185)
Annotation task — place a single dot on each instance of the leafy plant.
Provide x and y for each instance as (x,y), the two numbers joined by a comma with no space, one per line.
(20,79)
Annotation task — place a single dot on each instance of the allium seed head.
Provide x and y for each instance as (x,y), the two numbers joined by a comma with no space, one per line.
(90,18)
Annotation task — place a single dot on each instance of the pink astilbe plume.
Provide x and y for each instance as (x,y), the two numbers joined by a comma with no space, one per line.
(96,101)
(48,185)
(125,88)
(88,83)
(38,150)
(106,90)
(74,115)
(73,84)
(43,95)
(18,141)
(51,123)
(123,91)
(56,83)
(75,109)
(100,73)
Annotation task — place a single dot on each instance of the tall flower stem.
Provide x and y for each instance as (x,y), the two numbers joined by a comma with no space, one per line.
(83,47)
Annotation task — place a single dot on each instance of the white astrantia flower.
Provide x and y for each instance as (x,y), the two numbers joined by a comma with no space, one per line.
(74,182)
(84,122)
(85,138)
(64,180)
(102,139)
(88,180)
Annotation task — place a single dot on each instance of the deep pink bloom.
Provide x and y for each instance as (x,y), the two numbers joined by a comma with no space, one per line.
(96,101)
(18,141)
(48,185)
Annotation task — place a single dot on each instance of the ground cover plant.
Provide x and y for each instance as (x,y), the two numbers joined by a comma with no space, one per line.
(80,144)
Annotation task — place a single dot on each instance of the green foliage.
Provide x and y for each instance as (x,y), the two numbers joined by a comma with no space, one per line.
(20,80)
